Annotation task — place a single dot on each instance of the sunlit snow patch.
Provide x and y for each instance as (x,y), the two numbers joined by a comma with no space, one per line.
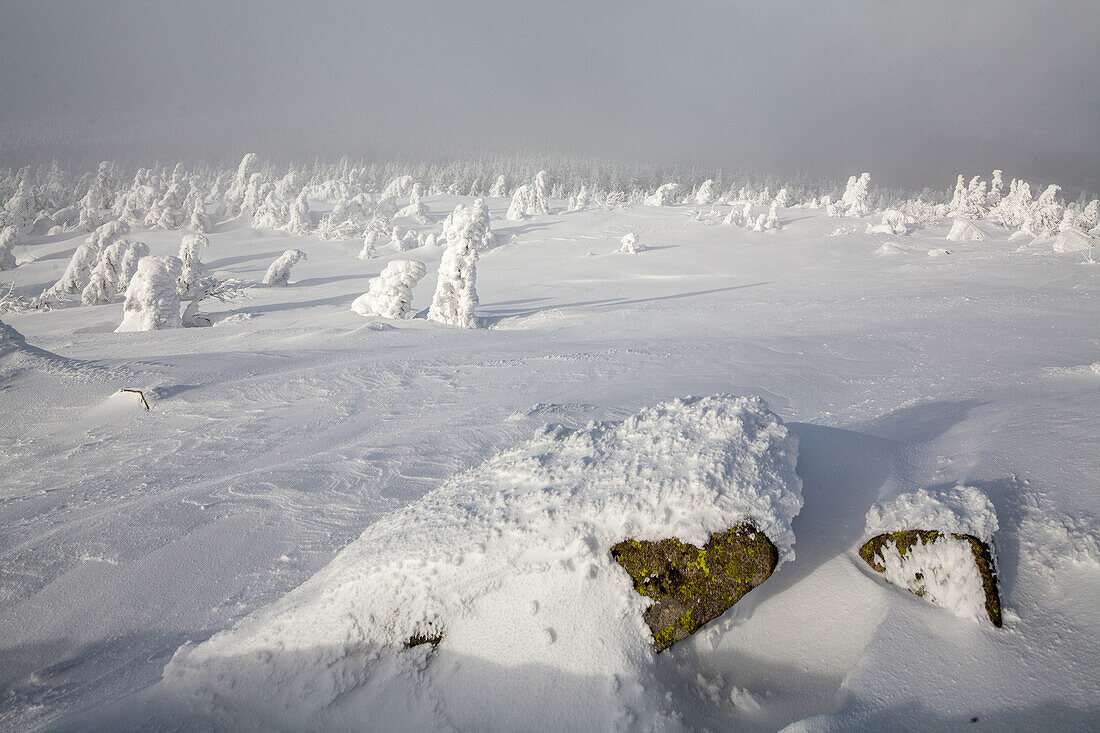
(510,564)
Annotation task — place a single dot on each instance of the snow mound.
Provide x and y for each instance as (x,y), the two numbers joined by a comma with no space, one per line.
(964,230)
(890,248)
(510,562)
(961,510)
(1073,240)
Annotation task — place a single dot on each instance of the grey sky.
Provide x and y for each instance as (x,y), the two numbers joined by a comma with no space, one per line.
(914,92)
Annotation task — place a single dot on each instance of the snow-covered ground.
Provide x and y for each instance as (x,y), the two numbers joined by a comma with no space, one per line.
(279,436)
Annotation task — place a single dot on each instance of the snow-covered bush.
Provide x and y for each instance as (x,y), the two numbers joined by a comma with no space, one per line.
(279,271)
(893,222)
(455,295)
(630,244)
(390,294)
(151,300)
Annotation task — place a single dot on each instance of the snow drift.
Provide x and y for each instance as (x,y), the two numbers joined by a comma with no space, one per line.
(510,563)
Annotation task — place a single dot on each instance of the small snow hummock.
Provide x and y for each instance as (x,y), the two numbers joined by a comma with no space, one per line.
(390,294)
(279,272)
(631,245)
(964,230)
(151,299)
(510,563)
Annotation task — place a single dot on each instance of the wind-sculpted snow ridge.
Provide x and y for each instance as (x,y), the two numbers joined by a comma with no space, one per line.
(509,563)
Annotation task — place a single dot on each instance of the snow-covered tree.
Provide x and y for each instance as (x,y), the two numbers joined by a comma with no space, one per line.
(8,236)
(455,295)
(541,202)
(580,200)
(783,198)
(519,206)
(404,240)
(370,239)
(200,220)
(113,271)
(193,278)
(21,206)
(665,195)
(272,212)
(854,199)
(279,271)
(416,209)
(1048,211)
(630,244)
(390,294)
(772,222)
(79,270)
(895,220)
(1090,216)
(151,300)
(705,194)
(234,196)
(996,190)
(499,189)
(168,212)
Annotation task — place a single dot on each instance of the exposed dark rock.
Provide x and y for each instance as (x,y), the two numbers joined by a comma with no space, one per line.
(872,550)
(692,586)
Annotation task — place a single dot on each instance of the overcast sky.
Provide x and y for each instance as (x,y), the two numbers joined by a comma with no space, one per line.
(913,91)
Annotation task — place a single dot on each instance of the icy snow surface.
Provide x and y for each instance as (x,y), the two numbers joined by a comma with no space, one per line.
(295,426)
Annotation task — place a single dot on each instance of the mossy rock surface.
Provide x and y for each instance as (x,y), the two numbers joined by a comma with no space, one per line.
(871,552)
(691,586)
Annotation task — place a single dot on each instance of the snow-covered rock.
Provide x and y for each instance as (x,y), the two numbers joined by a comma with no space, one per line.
(510,563)
(938,545)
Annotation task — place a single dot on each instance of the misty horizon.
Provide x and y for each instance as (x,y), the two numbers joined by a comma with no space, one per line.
(915,95)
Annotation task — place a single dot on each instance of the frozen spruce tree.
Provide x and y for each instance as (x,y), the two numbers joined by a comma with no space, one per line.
(772,222)
(279,272)
(455,292)
(415,210)
(854,199)
(300,223)
(705,194)
(79,270)
(113,271)
(200,220)
(151,300)
(521,199)
(8,235)
(1048,211)
(630,244)
(193,279)
(370,239)
(390,294)
(234,197)
(499,189)
(541,202)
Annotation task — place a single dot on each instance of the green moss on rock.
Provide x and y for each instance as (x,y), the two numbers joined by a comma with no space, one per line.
(691,586)
(872,550)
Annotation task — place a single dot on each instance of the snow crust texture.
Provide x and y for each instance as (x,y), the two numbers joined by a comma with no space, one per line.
(510,563)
